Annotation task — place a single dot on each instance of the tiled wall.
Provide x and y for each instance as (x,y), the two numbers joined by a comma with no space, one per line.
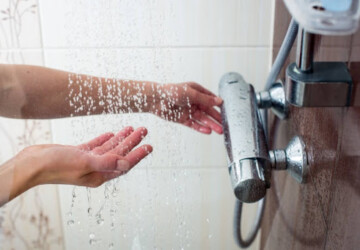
(180,197)
(29,221)
(319,214)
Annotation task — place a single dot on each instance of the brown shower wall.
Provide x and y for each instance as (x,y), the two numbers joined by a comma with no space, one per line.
(322,214)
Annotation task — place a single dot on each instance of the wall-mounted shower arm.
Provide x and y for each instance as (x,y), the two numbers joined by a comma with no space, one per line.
(305,50)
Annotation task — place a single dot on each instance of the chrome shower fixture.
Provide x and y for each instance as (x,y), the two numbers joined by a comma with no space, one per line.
(250,161)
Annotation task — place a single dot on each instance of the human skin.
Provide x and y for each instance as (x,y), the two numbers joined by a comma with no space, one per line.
(90,164)
(32,92)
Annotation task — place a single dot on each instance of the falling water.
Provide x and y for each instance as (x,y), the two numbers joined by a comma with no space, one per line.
(151,206)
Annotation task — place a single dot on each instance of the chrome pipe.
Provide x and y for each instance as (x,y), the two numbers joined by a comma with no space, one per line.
(305,50)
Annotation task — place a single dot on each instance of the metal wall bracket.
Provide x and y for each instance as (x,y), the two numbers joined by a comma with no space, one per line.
(328,84)
(274,98)
(293,159)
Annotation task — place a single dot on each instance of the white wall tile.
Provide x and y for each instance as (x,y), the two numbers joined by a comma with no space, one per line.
(155,23)
(19,25)
(203,65)
(162,209)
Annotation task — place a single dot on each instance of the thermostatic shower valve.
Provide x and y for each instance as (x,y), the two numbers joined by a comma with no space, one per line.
(250,161)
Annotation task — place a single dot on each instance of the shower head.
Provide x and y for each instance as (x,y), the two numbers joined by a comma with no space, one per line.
(249,163)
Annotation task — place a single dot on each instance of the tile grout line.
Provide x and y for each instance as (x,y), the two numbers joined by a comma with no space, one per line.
(140,47)
(150,48)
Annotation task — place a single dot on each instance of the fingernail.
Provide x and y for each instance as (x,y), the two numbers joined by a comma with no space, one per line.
(122,165)
(205,130)
(218,100)
(148,149)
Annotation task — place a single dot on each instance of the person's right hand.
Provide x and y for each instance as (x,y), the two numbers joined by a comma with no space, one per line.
(189,104)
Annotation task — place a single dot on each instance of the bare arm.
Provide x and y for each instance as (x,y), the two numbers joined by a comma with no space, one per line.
(42,93)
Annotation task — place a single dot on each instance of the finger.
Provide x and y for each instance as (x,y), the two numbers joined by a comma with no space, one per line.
(106,163)
(197,126)
(138,154)
(197,97)
(98,141)
(200,88)
(206,120)
(113,142)
(96,179)
(109,166)
(130,142)
(213,113)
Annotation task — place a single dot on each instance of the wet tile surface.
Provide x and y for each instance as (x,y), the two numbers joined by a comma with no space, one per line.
(323,213)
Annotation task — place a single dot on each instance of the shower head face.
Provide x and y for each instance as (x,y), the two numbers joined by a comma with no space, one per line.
(244,138)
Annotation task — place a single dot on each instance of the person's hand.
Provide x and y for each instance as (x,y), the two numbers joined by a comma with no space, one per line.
(90,164)
(189,104)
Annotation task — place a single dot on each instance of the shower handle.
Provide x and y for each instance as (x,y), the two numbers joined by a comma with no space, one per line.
(250,161)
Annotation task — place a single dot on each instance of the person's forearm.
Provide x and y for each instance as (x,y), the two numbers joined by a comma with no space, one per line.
(42,93)
(16,176)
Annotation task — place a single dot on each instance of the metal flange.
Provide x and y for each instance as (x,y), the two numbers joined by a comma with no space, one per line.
(293,158)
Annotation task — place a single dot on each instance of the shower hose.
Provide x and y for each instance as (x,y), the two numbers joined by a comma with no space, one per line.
(274,72)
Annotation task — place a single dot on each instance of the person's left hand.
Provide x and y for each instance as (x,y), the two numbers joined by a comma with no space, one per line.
(189,104)
(90,164)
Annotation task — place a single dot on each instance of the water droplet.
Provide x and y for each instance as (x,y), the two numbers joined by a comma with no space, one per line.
(70,222)
(100,221)
(92,242)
